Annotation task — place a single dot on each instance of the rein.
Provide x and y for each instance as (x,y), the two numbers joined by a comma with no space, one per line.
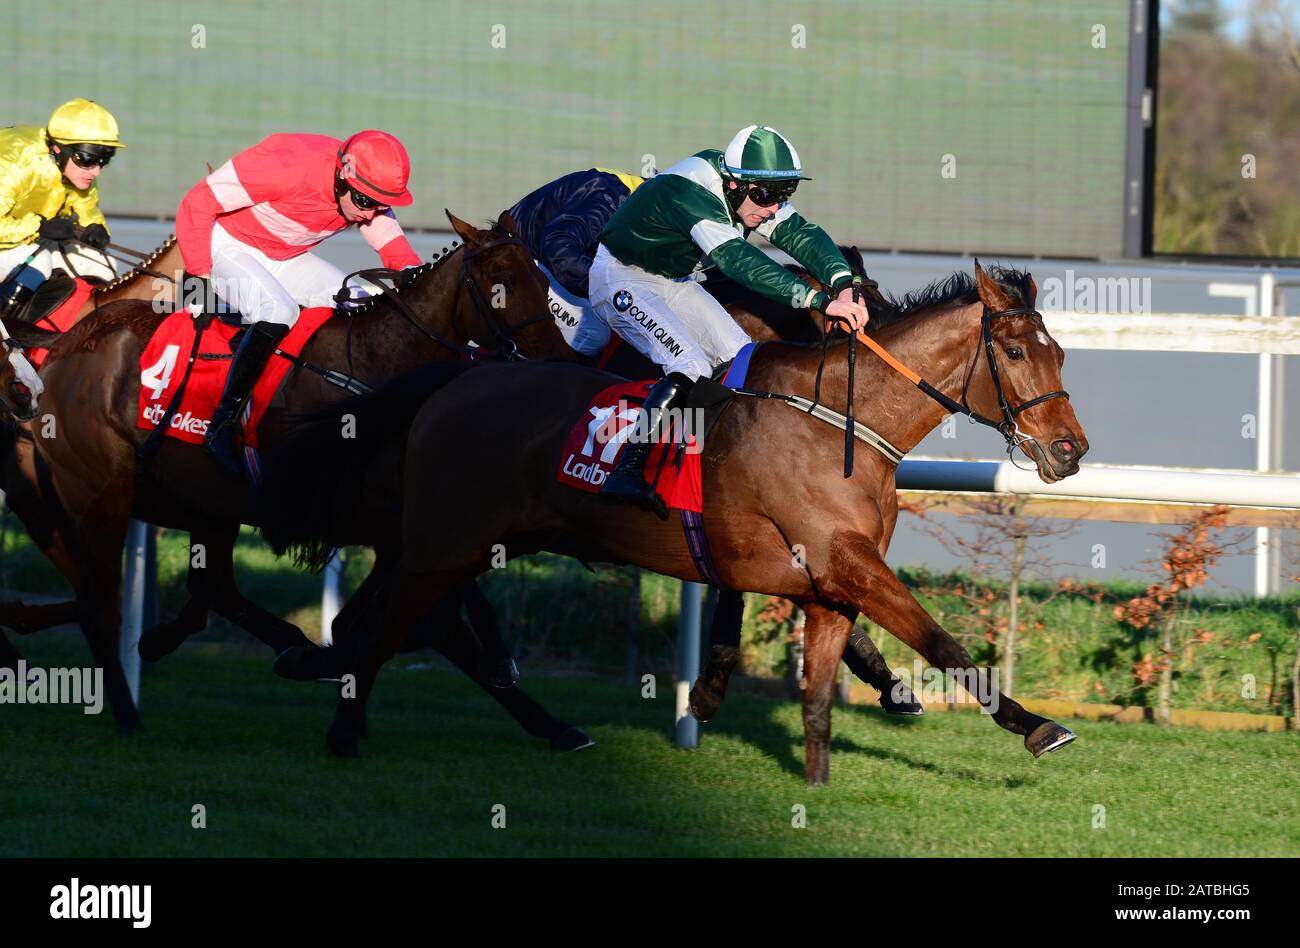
(1007,427)
(503,333)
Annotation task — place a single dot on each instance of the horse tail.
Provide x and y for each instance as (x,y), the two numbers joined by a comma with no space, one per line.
(313,474)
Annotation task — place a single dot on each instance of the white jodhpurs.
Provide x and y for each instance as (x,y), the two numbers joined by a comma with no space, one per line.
(271,291)
(674,323)
(582,328)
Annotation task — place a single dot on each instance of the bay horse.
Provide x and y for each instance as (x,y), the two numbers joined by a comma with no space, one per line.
(213,586)
(799,530)
(87,482)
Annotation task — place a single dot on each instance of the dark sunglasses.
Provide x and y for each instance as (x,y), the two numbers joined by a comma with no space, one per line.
(84,159)
(765,195)
(365,202)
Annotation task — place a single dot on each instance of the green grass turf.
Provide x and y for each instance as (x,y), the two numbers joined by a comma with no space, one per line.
(223,732)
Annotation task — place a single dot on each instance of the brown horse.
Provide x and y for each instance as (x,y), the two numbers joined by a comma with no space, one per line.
(154,278)
(800,530)
(87,482)
(213,586)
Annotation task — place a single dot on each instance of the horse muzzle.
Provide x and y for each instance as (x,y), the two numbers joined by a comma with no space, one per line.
(1059,459)
(22,404)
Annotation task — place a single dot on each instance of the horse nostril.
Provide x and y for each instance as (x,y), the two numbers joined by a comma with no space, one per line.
(1067,447)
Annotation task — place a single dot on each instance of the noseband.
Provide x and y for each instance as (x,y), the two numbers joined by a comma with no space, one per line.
(1007,427)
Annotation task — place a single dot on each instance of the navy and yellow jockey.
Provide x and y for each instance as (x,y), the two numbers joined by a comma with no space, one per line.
(702,210)
(561,224)
(48,197)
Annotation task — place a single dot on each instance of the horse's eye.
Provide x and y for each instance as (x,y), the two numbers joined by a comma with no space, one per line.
(1015,353)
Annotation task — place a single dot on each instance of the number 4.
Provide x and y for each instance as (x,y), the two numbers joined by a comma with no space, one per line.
(156,377)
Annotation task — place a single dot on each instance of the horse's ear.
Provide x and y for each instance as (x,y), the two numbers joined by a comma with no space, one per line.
(1033,291)
(507,223)
(467,231)
(991,292)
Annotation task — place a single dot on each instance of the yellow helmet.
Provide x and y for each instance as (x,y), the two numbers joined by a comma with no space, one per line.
(82,121)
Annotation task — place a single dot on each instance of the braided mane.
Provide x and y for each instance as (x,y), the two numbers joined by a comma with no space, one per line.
(144,264)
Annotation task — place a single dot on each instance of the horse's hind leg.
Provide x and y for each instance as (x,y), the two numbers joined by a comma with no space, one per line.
(856,574)
(865,661)
(496,665)
(410,596)
(159,641)
(229,603)
(443,629)
(24,619)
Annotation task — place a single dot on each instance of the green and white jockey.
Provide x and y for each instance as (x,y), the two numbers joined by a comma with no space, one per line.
(701,211)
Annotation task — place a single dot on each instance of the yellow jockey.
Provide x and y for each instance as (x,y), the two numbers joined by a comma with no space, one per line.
(48,196)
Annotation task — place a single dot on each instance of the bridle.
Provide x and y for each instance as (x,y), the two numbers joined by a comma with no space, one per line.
(1007,427)
(503,333)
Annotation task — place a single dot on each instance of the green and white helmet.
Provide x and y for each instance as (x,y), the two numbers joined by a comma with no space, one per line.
(760,153)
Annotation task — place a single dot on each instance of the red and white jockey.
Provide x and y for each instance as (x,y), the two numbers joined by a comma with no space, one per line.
(249,225)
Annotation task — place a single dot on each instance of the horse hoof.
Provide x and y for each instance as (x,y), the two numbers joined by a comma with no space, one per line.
(704,703)
(309,663)
(500,674)
(1048,736)
(900,700)
(156,643)
(342,745)
(571,739)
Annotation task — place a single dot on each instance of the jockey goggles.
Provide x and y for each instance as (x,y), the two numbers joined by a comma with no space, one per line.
(365,202)
(89,156)
(772,192)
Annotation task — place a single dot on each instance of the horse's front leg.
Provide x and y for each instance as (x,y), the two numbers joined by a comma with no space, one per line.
(856,574)
(825,635)
(724,652)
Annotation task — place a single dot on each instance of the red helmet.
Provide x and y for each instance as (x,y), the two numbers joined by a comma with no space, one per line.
(376,164)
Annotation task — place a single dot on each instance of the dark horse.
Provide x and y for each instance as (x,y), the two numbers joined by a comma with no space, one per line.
(978,339)
(82,477)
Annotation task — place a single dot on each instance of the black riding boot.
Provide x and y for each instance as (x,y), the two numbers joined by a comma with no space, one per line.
(16,301)
(627,480)
(255,348)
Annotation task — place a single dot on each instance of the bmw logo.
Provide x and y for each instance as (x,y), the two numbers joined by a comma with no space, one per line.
(622,301)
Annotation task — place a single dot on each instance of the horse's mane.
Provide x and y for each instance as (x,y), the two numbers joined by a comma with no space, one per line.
(410,278)
(960,289)
(144,264)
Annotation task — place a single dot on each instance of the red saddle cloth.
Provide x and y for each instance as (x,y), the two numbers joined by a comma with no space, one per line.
(162,367)
(599,436)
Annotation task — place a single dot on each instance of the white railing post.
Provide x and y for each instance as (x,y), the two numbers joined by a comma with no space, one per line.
(133,583)
(1259,301)
(688,664)
(1268,456)
(329,598)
